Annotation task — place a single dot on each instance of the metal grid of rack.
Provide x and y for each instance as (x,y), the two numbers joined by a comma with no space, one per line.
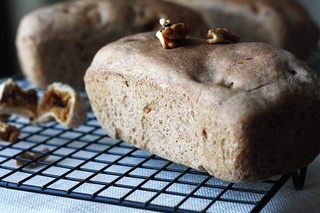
(84,163)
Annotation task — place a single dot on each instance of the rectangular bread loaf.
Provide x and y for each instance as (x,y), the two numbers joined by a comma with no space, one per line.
(243,112)
(57,43)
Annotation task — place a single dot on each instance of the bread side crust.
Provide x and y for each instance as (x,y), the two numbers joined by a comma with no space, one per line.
(205,123)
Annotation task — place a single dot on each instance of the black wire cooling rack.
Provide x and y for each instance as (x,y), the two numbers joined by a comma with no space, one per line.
(84,163)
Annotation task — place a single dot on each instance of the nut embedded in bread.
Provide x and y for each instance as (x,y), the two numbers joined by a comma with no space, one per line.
(243,112)
(62,104)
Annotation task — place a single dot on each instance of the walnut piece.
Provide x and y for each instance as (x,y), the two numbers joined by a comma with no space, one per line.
(13,100)
(171,36)
(221,36)
(8,132)
(32,156)
(63,104)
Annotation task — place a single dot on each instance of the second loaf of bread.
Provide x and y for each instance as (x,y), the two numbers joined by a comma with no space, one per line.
(284,24)
(57,43)
(243,112)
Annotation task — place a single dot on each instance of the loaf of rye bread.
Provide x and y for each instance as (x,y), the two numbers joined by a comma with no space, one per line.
(243,112)
(57,43)
(282,23)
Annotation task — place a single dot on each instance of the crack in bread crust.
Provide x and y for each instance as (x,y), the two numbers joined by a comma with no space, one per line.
(148,96)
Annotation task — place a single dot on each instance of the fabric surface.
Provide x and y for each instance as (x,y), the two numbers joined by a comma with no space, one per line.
(286,200)
(13,201)
(306,200)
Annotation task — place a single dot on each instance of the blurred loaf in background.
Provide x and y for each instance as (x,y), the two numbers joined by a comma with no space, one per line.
(58,42)
(13,10)
(281,23)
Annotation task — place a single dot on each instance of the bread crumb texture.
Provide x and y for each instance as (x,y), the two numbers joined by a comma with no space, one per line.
(242,112)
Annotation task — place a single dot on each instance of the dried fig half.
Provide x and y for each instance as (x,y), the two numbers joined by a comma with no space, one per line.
(63,104)
(14,100)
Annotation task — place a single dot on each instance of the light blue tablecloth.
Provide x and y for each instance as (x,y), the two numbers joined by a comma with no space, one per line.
(286,200)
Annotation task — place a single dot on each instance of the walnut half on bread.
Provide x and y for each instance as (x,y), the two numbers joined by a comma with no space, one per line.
(242,112)
(171,36)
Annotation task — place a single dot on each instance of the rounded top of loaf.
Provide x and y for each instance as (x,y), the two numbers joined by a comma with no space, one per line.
(241,106)
(248,76)
(122,17)
(238,67)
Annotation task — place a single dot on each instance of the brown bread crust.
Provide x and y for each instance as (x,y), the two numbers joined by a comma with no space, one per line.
(243,112)
(57,43)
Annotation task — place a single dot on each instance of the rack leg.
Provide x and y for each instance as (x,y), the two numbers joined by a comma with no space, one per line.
(299,178)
